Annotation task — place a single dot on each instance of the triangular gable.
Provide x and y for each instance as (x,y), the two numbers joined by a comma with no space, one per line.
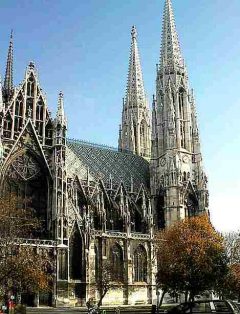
(190,189)
(28,138)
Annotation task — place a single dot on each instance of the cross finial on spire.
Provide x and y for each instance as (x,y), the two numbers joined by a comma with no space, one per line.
(8,81)
(170,50)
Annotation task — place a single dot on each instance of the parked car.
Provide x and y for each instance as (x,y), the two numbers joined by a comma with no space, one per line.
(206,306)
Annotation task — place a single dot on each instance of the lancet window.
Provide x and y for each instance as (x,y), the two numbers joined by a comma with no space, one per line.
(143,137)
(135,136)
(140,264)
(18,120)
(39,116)
(117,262)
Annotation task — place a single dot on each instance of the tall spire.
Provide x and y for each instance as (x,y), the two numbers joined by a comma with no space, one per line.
(170,50)
(135,128)
(176,156)
(8,81)
(135,93)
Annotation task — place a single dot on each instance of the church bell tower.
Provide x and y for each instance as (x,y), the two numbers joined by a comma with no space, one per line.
(178,181)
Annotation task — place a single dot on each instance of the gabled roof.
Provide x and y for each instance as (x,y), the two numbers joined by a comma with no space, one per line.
(104,161)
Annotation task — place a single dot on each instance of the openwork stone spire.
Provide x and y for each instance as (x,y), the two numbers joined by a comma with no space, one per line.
(135,131)
(8,81)
(170,50)
(135,93)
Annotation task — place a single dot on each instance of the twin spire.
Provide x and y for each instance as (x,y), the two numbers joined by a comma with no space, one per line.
(170,49)
(135,92)
(134,135)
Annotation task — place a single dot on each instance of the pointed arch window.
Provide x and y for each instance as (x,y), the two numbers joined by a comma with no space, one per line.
(140,264)
(181,103)
(39,110)
(143,136)
(7,127)
(135,136)
(19,106)
(117,262)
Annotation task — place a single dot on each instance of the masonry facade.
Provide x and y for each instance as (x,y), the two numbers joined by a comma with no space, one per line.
(99,203)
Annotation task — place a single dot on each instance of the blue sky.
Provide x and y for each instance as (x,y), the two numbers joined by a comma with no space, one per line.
(82,47)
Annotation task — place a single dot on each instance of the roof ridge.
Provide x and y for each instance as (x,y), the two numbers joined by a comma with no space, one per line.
(88,143)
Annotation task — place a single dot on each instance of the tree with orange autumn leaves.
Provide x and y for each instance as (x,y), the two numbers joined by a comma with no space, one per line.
(190,257)
(22,267)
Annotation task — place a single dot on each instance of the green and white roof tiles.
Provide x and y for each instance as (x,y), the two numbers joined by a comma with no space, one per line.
(106,163)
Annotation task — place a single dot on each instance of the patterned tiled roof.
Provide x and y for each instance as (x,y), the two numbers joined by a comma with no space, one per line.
(103,161)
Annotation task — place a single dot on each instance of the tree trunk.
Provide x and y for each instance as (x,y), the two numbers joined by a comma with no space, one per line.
(101,298)
(186,296)
(191,296)
(161,299)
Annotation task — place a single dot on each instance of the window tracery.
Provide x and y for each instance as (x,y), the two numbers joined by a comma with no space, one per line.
(140,264)
(25,167)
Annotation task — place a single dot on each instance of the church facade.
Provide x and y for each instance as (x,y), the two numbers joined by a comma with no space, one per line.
(100,203)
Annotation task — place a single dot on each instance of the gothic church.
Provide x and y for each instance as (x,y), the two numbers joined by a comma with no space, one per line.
(100,203)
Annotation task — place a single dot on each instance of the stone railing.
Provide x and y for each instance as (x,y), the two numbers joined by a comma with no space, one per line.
(37,242)
(123,235)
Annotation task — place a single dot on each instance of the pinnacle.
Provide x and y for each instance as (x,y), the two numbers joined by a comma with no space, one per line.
(60,117)
(170,50)
(8,81)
